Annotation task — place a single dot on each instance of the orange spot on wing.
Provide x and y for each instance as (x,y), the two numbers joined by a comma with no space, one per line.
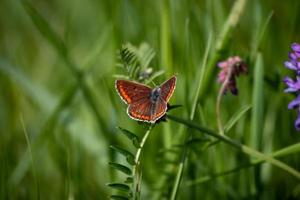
(124,94)
(140,117)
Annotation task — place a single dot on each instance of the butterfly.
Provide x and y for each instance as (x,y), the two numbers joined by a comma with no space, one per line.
(144,103)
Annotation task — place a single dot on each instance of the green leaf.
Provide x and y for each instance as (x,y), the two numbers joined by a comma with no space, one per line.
(145,55)
(128,54)
(177,180)
(171,107)
(119,186)
(119,197)
(129,156)
(128,133)
(154,76)
(260,35)
(238,115)
(129,180)
(130,160)
(201,77)
(134,138)
(136,60)
(121,168)
(257,115)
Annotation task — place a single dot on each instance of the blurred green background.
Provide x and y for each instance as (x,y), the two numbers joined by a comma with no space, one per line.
(57,89)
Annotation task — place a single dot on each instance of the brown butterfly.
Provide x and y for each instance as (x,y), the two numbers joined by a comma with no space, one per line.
(144,103)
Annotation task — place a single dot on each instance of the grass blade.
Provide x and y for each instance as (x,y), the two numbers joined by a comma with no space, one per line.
(231,22)
(201,76)
(235,118)
(261,35)
(31,158)
(178,176)
(257,117)
(44,27)
(46,130)
(295,148)
(181,164)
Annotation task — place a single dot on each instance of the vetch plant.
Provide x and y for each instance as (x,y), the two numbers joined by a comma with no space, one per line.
(293,86)
(144,105)
(230,70)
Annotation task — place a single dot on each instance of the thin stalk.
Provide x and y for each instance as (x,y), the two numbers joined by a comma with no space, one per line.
(166,55)
(136,183)
(219,98)
(138,153)
(280,153)
(243,148)
(201,76)
(192,114)
(179,174)
(31,158)
(44,133)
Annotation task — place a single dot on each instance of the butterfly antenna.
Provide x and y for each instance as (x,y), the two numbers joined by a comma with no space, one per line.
(153,83)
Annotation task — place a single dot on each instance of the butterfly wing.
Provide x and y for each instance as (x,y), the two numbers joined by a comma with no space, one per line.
(145,110)
(138,97)
(167,88)
(140,110)
(132,92)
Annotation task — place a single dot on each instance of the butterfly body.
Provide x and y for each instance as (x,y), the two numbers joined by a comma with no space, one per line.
(155,95)
(144,103)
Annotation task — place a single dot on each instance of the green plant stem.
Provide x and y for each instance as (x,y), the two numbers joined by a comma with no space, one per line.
(136,181)
(280,153)
(138,153)
(31,158)
(179,173)
(243,148)
(192,114)
(219,99)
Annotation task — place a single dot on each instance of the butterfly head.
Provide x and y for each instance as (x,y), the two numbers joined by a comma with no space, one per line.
(155,94)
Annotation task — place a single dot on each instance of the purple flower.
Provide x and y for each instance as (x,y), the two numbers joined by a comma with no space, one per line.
(294,56)
(295,104)
(294,85)
(230,69)
(296,47)
(297,122)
